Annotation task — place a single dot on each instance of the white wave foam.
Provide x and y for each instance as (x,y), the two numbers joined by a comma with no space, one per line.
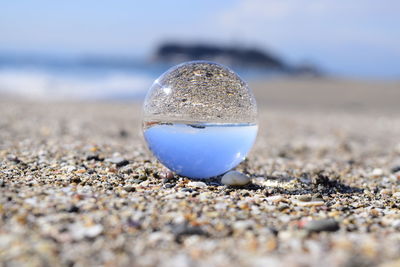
(45,85)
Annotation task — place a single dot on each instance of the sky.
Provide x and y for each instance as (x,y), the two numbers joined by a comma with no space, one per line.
(357,38)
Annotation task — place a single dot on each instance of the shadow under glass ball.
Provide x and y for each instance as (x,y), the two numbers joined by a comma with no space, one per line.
(200,119)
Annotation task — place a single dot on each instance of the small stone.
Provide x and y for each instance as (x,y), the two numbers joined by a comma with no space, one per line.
(235,178)
(79,231)
(275,199)
(73,209)
(2,183)
(324,225)
(69,168)
(167,175)
(283,207)
(243,225)
(80,171)
(122,163)
(93,231)
(123,133)
(385,192)
(197,184)
(142,177)
(145,183)
(127,170)
(31,201)
(168,185)
(395,169)
(395,195)
(118,161)
(94,157)
(178,195)
(374,212)
(317,197)
(309,204)
(304,198)
(14,158)
(396,224)
(129,188)
(185,229)
(376,173)
(75,179)
(187,190)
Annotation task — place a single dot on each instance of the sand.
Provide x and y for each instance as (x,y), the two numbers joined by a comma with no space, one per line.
(78,187)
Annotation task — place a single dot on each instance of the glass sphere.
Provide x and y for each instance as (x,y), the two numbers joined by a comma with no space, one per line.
(200,119)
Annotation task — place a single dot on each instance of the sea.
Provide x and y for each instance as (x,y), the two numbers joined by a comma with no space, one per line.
(85,78)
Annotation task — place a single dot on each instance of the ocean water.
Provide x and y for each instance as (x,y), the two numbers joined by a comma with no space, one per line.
(200,150)
(69,77)
(74,78)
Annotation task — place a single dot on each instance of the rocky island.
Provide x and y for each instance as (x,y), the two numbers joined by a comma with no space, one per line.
(238,57)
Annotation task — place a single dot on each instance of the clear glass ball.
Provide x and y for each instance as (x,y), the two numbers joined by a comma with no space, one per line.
(200,119)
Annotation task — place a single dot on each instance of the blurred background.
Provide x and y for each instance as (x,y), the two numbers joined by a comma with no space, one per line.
(115,49)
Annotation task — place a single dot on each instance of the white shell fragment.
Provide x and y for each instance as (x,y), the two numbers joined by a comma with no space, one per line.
(235,178)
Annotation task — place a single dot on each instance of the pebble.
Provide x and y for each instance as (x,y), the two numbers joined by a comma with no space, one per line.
(324,225)
(167,175)
(235,178)
(94,157)
(275,199)
(73,209)
(123,133)
(158,237)
(317,197)
(187,190)
(129,188)
(13,158)
(118,161)
(374,212)
(122,163)
(75,179)
(184,229)
(197,184)
(376,173)
(80,231)
(93,231)
(396,195)
(395,169)
(309,204)
(304,198)
(168,185)
(177,195)
(282,207)
(142,177)
(69,168)
(385,192)
(242,225)
(396,224)
(127,169)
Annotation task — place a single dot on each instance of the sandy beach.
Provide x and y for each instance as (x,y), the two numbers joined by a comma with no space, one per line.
(79,188)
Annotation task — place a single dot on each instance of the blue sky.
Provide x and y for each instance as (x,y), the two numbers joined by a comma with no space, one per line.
(352,38)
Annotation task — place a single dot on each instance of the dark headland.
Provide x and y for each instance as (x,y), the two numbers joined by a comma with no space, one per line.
(235,56)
